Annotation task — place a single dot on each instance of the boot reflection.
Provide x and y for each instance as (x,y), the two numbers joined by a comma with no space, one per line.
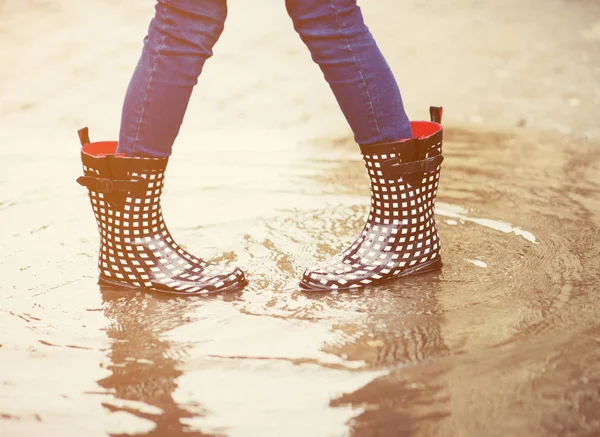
(403,334)
(401,324)
(144,367)
(405,328)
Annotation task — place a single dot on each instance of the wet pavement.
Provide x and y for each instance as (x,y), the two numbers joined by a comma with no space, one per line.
(503,341)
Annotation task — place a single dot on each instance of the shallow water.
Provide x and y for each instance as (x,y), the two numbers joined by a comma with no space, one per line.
(505,340)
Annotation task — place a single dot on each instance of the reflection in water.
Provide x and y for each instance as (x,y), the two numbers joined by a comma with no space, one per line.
(145,367)
(401,327)
(403,332)
(395,406)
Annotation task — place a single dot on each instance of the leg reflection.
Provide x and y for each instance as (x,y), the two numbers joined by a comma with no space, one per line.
(144,366)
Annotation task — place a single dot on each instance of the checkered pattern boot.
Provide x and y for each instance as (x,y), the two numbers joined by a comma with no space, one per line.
(400,237)
(136,248)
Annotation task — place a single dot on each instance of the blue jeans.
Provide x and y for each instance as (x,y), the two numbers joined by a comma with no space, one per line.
(180,40)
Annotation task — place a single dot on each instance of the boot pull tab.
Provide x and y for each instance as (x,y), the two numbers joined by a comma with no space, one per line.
(436,113)
(84,136)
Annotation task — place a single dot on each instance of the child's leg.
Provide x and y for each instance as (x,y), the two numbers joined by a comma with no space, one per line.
(357,72)
(180,39)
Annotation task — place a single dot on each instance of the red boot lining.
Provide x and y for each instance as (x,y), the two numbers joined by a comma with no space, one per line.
(100,148)
(424,129)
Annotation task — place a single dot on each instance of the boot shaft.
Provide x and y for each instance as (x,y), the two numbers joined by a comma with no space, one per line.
(124,192)
(404,176)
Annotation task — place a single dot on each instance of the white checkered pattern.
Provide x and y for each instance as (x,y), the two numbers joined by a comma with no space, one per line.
(400,236)
(136,248)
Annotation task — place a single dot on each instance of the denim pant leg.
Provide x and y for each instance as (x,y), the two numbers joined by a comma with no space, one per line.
(360,78)
(180,39)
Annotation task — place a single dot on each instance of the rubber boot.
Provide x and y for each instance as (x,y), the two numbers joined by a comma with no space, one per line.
(400,237)
(136,248)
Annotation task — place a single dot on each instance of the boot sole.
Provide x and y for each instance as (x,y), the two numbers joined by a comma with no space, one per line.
(127,287)
(427,267)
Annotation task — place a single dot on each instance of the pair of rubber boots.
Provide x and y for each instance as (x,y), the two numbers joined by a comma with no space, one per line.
(137,251)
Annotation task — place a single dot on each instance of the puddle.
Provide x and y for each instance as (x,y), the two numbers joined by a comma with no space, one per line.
(511,320)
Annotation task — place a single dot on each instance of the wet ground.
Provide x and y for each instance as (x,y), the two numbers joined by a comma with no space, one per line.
(504,341)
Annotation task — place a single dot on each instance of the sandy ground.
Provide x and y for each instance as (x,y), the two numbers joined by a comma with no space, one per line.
(511,350)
